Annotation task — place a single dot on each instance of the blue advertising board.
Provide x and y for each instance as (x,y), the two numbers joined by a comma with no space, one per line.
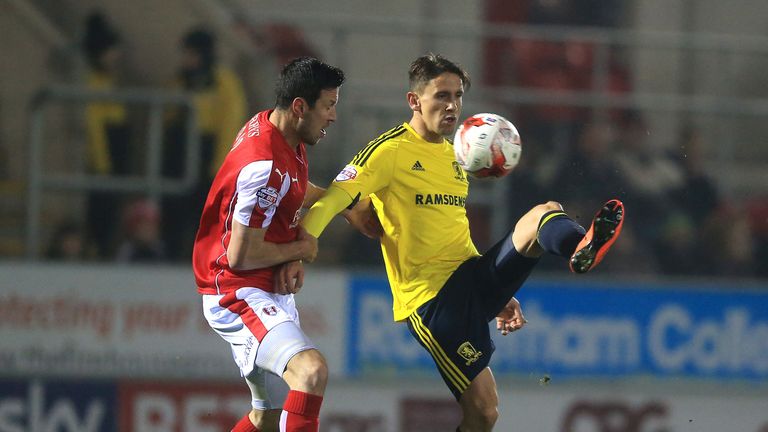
(37,405)
(590,330)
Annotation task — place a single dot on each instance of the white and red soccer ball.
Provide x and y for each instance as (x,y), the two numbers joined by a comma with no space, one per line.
(487,145)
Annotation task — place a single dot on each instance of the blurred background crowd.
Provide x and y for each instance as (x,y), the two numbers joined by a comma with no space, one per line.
(108,155)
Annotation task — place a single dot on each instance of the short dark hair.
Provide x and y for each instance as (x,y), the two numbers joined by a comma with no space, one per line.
(202,42)
(305,77)
(430,66)
(99,37)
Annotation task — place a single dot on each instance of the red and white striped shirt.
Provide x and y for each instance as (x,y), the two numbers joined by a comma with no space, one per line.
(261,184)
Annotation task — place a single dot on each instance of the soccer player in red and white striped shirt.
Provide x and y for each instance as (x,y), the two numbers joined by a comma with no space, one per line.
(248,249)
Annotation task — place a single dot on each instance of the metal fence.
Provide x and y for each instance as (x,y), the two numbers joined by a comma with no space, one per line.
(150,183)
(372,104)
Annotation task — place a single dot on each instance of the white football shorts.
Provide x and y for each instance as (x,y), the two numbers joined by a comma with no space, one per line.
(264,332)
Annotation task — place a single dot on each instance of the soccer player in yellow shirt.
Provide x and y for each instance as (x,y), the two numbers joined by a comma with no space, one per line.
(444,290)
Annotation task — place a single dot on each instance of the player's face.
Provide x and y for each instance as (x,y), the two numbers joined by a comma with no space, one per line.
(313,124)
(440,104)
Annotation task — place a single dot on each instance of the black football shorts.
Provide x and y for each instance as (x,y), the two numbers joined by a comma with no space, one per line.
(453,326)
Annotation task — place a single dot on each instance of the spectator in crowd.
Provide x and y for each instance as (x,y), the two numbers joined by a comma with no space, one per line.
(588,171)
(221,110)
(650,176)
(283,42)
(69,243)
(589,162)
(697,194)
(564,66)
(107,129)
(727,231)
(142,242)
(689,206)
(270,46)
(526,182)
(676,248)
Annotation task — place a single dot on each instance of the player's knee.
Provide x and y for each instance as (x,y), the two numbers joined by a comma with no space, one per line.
(310,369)
(482,417)
(317,373)
(524,235)
(489,416)
(480,410)
(531,219)
(547,207)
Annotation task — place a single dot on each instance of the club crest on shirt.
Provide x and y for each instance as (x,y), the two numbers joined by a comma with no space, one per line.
(459,172)
(348,173)
(266,197)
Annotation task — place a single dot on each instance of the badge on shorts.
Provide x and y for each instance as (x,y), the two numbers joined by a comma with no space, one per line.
(270,310)
(469,353)
(266,196)
(348,173)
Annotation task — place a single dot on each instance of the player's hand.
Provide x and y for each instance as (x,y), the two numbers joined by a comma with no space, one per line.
(511,318)
(310,244)
(363,217)
(289,277)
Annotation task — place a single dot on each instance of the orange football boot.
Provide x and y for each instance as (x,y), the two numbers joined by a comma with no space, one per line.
(604,230)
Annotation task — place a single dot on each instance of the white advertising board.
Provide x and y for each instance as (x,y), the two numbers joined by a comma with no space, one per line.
(125,321)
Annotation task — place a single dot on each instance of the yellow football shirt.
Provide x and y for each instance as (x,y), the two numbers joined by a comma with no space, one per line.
(419,192)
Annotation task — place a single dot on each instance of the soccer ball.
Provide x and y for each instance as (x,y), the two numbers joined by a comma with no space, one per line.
(487,145)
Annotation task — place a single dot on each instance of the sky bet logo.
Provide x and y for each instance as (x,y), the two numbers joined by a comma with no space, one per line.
(35,406)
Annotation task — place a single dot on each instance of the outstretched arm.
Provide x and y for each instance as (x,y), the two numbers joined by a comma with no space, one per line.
(314,193)
(359,213)
(248,250)
(334,201)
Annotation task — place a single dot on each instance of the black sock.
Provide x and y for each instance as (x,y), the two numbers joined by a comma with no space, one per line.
(559,234)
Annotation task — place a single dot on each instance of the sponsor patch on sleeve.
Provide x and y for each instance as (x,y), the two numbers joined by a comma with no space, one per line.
(266,197)
(348,173)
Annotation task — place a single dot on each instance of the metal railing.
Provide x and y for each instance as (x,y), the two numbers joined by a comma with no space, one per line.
(151,183)
(383,100)
(495,192)
(375,97)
